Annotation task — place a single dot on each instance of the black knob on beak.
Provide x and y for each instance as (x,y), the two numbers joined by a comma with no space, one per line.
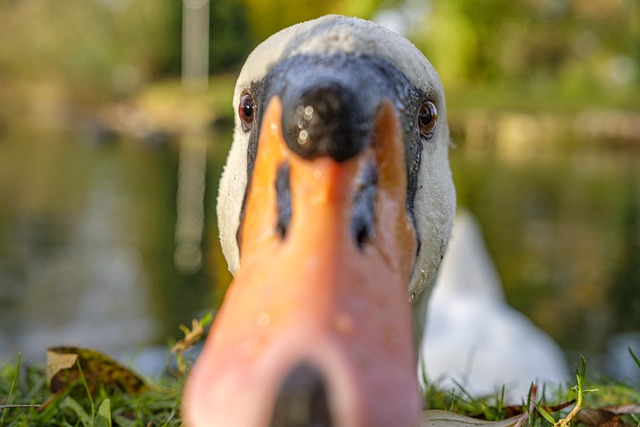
(329,102)
(324,119)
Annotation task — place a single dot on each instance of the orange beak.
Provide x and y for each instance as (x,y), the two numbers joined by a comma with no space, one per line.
(314,311)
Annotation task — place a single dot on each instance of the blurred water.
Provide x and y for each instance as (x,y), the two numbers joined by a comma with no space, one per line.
(87,240)
(87,246)
(562,222)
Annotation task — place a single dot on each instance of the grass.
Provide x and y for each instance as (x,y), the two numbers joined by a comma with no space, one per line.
(589,402)
(26,400)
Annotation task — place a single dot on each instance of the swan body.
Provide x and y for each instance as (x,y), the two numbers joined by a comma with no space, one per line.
(473,338)
(335,207)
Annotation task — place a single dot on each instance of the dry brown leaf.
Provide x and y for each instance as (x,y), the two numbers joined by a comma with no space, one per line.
(628,409)
(58,361)
(96,368)
(609,416)
(436,418)
(599,417)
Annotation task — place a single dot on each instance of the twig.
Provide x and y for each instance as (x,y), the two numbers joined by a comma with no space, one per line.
(20,405)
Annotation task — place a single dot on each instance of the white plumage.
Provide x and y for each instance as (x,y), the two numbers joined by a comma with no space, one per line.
(473,338)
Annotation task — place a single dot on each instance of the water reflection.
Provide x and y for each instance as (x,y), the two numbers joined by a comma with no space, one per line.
(87,240)
(86,247)
(91,289)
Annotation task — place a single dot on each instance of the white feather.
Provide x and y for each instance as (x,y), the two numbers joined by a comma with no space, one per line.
(473,338)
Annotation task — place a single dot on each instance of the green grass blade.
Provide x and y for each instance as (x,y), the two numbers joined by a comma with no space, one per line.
(547,416)
(12,389)
(635,358)
(103,418)
(86,387)
(82,415)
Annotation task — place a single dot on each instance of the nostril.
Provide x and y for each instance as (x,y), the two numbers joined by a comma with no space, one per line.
(364,201)
(283,199)
(302,400)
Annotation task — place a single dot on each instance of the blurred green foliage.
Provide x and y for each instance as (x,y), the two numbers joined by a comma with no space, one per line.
(566,48)
(230,38)
(266,17)
(575,47)
(96,47)
(110,47)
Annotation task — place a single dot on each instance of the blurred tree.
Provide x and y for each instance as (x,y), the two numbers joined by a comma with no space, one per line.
(449,41)
(172,60)
(564,44)
(97,47)
(107,47)
(229,36)
(267,17)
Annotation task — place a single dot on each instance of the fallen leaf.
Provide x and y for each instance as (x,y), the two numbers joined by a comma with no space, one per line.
(437,418)
(628,409)
(599,417)
(65,365)
(58,361)
(608,416)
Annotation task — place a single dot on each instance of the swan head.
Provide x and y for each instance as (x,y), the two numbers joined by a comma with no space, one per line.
(335,208)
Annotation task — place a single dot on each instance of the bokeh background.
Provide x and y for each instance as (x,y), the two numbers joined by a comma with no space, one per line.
(115,120)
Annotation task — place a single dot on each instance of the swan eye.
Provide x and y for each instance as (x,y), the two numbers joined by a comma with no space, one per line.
(246,110)
(427,118)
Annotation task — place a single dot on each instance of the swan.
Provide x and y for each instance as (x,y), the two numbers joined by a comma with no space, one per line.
(473,338)
(335,208)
